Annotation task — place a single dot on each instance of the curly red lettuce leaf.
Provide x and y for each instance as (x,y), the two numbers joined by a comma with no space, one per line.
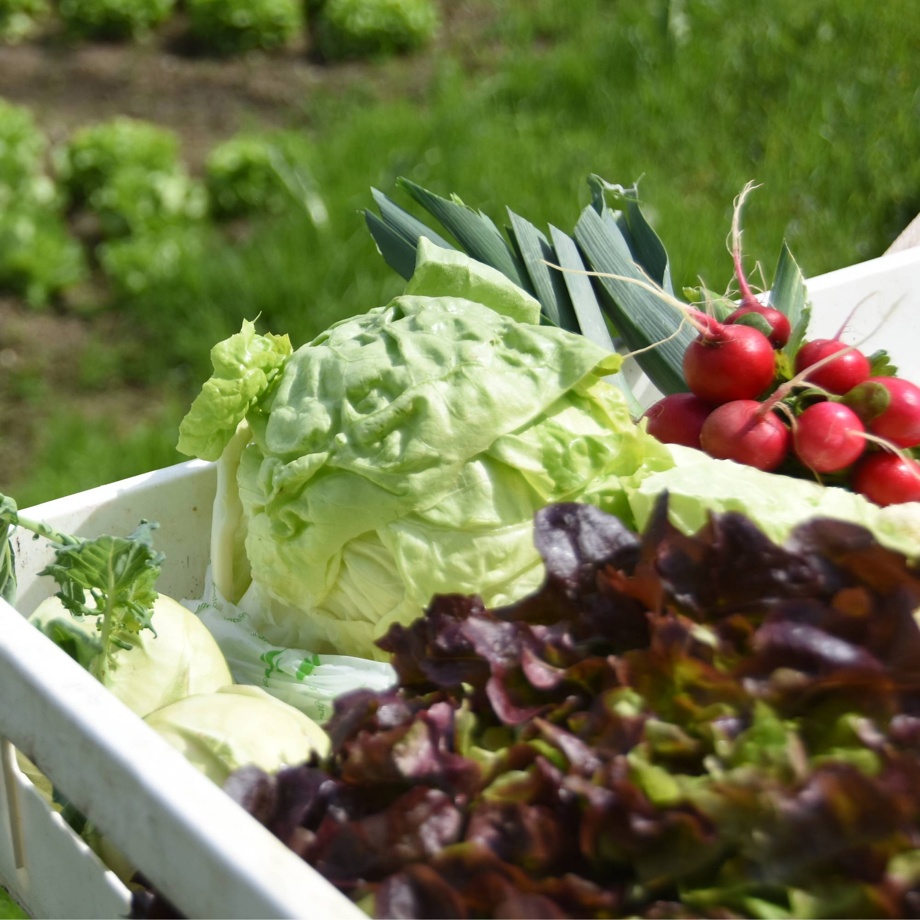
(672,726)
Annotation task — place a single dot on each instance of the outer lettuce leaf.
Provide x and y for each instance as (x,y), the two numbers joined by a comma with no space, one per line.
(229,564)
(244,367)
(441,272)
(404,395)
(698,485)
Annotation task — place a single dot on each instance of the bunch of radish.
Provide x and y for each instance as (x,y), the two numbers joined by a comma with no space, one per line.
(837,415)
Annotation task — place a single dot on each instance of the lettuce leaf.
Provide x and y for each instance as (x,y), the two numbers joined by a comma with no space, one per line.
(698,485)
(244,367)
(441,272)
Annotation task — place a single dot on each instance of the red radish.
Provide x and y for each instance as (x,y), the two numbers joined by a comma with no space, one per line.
(677,419)
(890,408)
(729,362)
(777,322)
(828,437)
(748,432)
(838,375)
(887,478)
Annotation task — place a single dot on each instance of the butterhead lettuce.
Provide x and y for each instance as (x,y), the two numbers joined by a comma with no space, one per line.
(402,453)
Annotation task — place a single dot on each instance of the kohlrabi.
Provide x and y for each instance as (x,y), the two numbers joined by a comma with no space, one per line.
(145,647)
(237,726)
(181,659)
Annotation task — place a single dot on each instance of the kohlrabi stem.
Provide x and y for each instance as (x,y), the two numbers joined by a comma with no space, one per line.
(10,518)
(10,515)
(100,665)
(7,566)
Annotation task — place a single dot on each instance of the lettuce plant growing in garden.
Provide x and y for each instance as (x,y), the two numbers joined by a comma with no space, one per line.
(137,263)
(361,28)
(242,177)
(93,155)
(113,19)
(138,200)
(24,178)
(20,19)
(237,26)
(38,257)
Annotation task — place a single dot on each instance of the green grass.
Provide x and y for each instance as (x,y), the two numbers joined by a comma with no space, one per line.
(815,102)
(77,451)
(9,909)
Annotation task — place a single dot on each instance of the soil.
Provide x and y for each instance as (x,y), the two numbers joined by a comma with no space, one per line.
(203,99)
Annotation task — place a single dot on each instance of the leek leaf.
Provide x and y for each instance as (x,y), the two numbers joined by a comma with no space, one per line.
(473,230)
(396,233)
(790,296)
(644,243)
(535,251)
(638,311)
(588,311)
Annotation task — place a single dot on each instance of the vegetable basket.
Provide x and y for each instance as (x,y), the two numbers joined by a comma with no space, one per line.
(198,848)
(205,853)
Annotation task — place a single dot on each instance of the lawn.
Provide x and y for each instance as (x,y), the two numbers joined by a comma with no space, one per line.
(513,107)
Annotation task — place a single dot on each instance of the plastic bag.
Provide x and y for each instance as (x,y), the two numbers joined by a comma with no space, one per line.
(304,679)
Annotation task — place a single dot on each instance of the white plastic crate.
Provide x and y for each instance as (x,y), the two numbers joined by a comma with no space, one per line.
(201,850)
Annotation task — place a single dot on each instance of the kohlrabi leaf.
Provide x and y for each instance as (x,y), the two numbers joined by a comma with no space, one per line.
(108,577)
(114,576)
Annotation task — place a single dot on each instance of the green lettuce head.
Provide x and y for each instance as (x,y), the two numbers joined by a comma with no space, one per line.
(403,453)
